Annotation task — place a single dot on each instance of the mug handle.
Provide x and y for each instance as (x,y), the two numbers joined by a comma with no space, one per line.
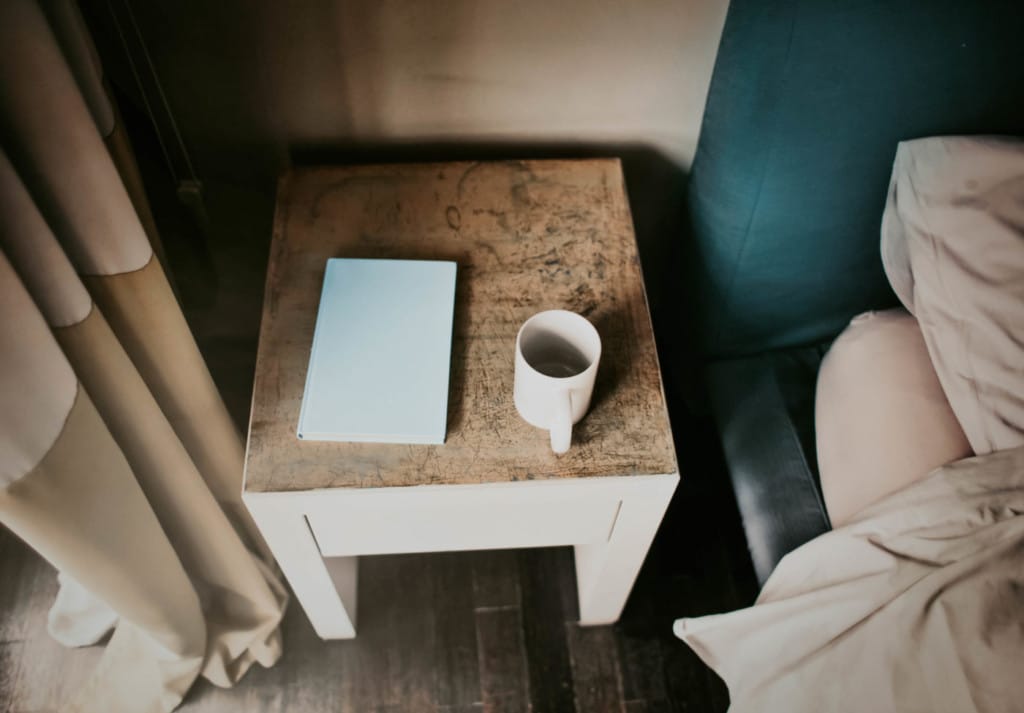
(561,423)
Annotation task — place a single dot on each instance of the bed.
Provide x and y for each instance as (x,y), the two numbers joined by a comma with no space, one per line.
(809,105)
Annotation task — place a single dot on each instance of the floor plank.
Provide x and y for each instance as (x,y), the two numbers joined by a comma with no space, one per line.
(548,586)
(502,660)
(29,586)
(596,672)
(457,673)
(36,673)
(11,658)
(495,579)
(640,661)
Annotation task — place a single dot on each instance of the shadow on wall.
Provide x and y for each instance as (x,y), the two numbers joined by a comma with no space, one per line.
(248,80)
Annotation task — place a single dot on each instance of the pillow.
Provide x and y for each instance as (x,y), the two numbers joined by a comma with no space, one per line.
(953,249)
(882,420)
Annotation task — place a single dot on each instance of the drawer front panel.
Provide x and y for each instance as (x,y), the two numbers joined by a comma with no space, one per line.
(433,526)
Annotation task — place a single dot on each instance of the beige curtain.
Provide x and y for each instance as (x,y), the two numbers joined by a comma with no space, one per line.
(118,461)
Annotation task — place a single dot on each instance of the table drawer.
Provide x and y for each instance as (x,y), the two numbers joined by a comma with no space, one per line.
(435,526)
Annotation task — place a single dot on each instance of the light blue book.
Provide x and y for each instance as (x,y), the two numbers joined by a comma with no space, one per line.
(381,356)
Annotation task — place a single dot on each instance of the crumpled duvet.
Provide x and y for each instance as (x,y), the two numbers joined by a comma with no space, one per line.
(916,605)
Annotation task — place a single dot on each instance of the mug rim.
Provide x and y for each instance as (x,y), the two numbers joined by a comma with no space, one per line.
(579,318)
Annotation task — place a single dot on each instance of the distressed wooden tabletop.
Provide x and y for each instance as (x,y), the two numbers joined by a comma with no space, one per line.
(527,236)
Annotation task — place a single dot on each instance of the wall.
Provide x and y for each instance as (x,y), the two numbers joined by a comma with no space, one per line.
(251,84)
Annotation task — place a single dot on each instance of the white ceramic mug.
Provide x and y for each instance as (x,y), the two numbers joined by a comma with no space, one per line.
(556,361)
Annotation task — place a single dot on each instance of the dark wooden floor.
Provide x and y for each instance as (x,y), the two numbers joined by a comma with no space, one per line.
(451,632)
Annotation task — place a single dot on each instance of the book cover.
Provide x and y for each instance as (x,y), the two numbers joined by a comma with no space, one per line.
(381,355)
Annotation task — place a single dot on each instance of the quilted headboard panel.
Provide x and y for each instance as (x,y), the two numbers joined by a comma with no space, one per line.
(807,103)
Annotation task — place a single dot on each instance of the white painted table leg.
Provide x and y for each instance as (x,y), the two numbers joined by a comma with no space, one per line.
(605,571)
(325,589)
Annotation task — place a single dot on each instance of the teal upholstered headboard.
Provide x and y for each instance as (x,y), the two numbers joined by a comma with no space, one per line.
(807,103)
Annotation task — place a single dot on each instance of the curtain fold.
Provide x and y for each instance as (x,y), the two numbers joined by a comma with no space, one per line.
(118,460)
